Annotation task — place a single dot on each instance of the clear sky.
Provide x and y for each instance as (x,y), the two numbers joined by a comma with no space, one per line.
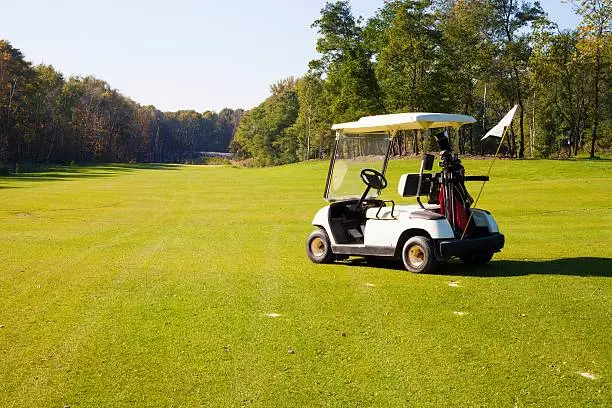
(182,54)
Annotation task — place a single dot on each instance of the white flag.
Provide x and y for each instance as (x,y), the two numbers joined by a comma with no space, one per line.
(498,130)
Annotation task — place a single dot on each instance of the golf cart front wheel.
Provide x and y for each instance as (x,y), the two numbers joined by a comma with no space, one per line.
(318,247)
(418,255)
(479,258)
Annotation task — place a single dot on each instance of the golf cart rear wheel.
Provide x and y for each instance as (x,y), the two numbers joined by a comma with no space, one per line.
(318,247)
(418,255)
(479,258)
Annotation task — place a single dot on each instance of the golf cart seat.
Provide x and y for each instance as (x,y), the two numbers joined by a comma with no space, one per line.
(426,215)
(409,185)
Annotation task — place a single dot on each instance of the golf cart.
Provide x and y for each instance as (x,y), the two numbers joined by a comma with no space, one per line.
(358,223)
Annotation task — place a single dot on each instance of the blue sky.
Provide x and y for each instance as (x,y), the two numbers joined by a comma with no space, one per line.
(182,54)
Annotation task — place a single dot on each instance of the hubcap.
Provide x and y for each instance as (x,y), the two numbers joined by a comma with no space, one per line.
(416,256)
(317,247)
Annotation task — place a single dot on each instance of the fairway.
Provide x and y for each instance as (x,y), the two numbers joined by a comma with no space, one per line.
(167,285)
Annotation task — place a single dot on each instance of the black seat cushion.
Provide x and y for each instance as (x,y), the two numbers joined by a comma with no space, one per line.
(426,215)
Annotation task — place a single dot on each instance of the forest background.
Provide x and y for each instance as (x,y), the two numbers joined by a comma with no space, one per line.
(477,57)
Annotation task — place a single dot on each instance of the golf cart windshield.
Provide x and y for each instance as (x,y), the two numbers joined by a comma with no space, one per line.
(352,154)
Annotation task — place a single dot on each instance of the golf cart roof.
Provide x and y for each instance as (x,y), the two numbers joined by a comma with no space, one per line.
(403,121)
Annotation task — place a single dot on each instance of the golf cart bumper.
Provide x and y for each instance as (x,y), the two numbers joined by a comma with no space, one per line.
(458,247)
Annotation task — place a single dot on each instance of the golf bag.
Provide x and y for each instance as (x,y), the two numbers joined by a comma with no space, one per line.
(448,187)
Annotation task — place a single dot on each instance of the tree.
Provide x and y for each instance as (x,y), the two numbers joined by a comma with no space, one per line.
(346,63)
(563,89)
(229,120)
(43,106)
(467,52)
(407,45)
(511,17)
(264,133)
(15,75)
(595,37)
(313,123)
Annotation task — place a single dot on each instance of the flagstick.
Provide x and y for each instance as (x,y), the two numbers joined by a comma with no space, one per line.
(484,182)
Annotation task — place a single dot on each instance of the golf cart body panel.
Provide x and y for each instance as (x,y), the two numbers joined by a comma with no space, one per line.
(321,220)
(461,247)
(483,218)
(358,223)
(385,230)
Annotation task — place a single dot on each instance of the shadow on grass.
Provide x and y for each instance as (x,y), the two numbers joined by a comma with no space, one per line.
(585,267)
(40,177)
(588,159)
(61,173)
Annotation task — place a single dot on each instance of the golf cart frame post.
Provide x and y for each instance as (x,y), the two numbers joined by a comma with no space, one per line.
(360,224)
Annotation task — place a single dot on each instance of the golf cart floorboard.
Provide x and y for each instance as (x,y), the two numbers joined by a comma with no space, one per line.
(447,248)
(363,250)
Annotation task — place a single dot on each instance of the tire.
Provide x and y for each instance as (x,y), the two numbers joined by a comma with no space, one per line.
(478,258)
(418,255)
(318,247)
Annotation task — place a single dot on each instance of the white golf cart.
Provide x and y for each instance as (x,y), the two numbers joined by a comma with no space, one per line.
(358,223)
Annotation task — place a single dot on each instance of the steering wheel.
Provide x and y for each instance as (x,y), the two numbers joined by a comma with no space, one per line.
(373,179)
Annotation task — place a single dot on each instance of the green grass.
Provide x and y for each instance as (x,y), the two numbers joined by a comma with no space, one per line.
(150,285)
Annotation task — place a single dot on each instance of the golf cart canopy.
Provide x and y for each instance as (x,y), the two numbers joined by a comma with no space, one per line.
(403,121)
(366,143)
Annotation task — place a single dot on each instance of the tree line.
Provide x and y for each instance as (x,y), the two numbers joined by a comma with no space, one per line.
(476,57)
(46,118)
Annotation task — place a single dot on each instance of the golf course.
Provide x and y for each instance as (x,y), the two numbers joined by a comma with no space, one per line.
(171,285)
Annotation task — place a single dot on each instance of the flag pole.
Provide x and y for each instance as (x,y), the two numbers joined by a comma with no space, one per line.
(484,182)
